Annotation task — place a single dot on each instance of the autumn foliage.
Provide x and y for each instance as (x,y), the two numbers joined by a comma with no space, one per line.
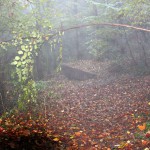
(20,131)
(102,117)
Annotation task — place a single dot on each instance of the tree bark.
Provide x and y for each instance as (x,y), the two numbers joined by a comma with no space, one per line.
(78,55)
(143,55)
(130,50)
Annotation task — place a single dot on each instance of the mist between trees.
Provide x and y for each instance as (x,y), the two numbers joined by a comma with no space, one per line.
(74,74)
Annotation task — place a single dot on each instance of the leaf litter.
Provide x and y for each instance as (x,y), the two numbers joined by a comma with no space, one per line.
(109,113)
(92,116)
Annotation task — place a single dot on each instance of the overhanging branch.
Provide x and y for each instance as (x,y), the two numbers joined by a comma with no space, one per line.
(92,24)
(107,24)
(99,24)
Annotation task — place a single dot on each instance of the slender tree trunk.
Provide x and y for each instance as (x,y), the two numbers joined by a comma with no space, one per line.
(143,45)
(143,55)
(78,54)
(95,13)
(2,87)
(130,49)
(77,45)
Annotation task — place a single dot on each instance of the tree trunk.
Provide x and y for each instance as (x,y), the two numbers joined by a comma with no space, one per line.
(2,88)
(78,54)
(130,50)
(143,55)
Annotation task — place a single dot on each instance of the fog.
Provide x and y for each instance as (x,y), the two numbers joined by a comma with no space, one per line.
(75,73)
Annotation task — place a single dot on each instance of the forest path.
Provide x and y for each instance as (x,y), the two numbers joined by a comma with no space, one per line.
(87,115)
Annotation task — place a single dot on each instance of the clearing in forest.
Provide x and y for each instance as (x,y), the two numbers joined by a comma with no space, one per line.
(102,113)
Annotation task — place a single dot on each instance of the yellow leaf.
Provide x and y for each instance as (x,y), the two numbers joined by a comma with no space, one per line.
(142,127)
(122,145)
(56,139)
(71,137)
(146,148)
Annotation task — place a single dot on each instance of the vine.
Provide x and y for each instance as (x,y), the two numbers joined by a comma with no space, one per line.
(23,62)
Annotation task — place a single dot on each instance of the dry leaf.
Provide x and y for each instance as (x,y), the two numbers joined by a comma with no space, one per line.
(12,145)
(144,143)
(142,127)
(8,123)
(56,139)
(26,132)
(147,134)
(1,129)
(78,133)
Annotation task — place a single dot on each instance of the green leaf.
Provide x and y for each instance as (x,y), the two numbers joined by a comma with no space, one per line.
(34,34)
(29,53)
(20,52)
(17,58)
(35,47)
(19,64)
(14,63)
(23,62)
(24,56)
(23,47)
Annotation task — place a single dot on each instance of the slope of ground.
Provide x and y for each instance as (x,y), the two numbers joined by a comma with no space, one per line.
(88,115)
(100,69)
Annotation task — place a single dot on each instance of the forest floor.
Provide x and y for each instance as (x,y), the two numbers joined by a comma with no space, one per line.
(111,112)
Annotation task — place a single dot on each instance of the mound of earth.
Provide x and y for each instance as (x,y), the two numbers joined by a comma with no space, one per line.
(90,69)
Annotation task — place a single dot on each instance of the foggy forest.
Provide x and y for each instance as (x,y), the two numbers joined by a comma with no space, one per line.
(74,75)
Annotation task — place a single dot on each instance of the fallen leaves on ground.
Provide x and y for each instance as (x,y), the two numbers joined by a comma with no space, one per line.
(142,127)
(18,131)
(85,116)
(110,116)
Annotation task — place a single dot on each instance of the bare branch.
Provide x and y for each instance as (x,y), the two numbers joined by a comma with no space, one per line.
(92,24)
(107,24)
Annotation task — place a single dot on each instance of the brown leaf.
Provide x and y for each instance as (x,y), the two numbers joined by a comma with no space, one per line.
(12,145)
(26,132)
